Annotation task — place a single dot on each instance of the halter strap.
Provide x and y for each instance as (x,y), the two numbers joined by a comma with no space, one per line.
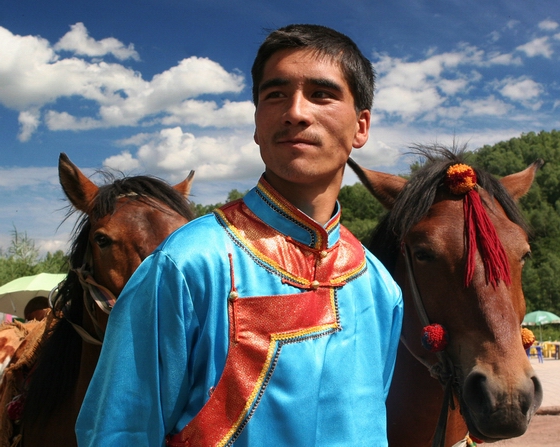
(102,296)
(443,370)
(93,292)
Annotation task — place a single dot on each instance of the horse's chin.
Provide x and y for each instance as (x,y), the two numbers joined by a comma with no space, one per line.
(496,426)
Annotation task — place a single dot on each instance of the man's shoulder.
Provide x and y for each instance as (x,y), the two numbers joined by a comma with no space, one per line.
(201,231)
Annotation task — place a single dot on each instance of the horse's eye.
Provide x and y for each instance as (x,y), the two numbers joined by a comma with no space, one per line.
(423,256)
(101,240)
(526,257)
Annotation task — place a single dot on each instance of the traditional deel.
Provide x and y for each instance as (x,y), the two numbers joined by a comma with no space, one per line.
(273,330)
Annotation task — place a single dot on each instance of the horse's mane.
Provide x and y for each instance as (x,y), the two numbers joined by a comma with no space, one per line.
(419,194)
(58,365)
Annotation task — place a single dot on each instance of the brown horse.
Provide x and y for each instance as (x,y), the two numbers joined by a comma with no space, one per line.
(490,388)
(122,223)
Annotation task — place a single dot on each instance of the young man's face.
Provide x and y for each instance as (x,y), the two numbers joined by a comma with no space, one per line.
(306,121)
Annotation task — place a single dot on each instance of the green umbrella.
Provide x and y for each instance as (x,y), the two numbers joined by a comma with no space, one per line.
(540,317)
(16,294)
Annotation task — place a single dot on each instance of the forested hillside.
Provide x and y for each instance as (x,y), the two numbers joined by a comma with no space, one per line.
(541,276)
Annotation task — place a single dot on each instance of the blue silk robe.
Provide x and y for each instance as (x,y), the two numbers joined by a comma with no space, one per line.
(317,373)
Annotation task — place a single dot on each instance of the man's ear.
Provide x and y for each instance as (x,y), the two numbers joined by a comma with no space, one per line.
(362,128)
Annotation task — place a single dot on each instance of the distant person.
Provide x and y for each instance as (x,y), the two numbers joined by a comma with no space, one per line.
(36,309)
(265,323)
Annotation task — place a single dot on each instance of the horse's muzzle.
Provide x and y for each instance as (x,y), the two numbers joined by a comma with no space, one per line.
(495,409)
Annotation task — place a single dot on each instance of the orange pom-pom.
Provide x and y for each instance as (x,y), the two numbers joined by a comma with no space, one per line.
(527,337)
(460,179)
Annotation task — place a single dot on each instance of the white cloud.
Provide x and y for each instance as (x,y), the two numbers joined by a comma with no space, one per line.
(172,153)
(123,162)
(14,178)
(494,36)
(435,86)
(490,106)
(78,41)
(537,47)
(503,59)
(207,113)
(406,102)
(65,121)
(521,89)
(33,76)
(548,25)
(28,121)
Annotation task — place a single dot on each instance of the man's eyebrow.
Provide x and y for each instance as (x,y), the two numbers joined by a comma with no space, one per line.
(274,82)
(323,82)
(320,82)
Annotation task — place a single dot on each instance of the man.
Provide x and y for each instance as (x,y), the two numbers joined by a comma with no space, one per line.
(266,323)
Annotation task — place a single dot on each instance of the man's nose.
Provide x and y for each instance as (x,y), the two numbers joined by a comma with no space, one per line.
(299,111)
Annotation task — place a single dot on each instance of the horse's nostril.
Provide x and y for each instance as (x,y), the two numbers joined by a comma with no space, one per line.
(477,394)
(532,405)
(484,396)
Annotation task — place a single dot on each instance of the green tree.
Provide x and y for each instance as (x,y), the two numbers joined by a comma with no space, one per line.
(22,259)
(56,262)
(19,259)
(541,207)
(360,211)
(201,210)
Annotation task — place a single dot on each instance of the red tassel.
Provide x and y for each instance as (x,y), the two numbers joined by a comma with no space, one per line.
(482,236)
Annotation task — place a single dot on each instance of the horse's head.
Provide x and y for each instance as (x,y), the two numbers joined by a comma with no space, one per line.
(424,241)
(123,221)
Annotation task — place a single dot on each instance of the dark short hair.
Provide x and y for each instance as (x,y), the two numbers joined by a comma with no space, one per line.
(356,68)
(37,303)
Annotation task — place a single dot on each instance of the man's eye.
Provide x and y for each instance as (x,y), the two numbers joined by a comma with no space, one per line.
(273,95)
(322,94)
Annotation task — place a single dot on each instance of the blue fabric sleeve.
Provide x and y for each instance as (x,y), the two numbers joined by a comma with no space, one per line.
(132,374)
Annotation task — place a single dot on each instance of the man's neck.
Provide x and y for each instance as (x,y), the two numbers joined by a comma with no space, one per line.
(317,201)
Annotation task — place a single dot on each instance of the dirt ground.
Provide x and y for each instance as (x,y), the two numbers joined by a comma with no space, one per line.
(544,431)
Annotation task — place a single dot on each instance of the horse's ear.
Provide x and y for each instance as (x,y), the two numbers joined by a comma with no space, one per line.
(518,184)
(80,190)
(384,187)
(184,188)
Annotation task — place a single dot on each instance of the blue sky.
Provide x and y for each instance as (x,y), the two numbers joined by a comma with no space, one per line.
(163,87)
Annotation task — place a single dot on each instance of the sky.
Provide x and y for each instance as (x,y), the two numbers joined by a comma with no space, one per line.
(161,87)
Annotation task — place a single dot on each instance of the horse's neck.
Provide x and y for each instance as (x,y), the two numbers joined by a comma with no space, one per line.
(414,405)
(88,360)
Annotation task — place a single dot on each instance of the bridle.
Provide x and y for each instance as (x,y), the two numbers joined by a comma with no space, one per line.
(443,369)
(93,294)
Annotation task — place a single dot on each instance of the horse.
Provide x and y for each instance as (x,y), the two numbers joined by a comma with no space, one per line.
(121,224)
(461,374)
